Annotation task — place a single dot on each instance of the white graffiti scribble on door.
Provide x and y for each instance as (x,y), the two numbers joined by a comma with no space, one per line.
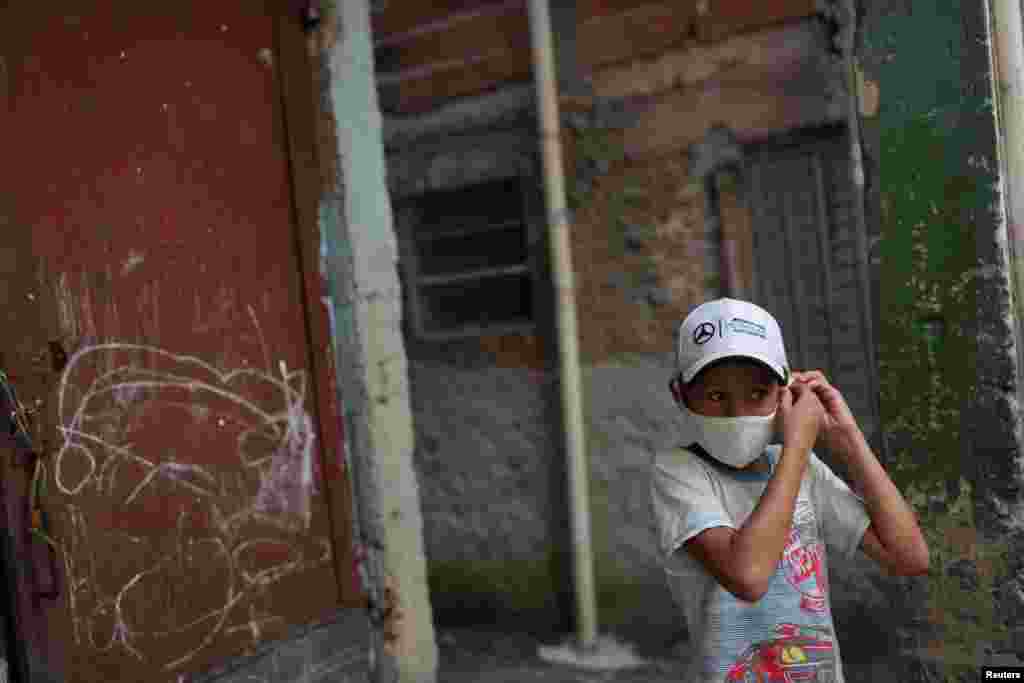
(144,429)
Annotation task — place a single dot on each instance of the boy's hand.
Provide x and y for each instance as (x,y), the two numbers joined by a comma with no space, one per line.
(838,424)
(802,414)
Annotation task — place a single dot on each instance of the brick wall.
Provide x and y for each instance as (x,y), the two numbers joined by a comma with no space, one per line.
(641,249)
(639,264)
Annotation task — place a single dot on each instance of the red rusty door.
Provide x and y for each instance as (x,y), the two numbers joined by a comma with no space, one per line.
(197,493)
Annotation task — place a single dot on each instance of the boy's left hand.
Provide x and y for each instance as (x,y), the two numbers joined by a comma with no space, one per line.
(839,423)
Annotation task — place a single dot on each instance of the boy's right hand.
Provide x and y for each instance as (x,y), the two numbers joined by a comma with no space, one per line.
(801,413)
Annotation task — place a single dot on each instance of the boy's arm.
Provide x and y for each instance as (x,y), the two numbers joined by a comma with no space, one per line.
(744,561)
(894,539)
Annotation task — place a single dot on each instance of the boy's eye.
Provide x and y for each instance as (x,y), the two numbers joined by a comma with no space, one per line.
(757,395)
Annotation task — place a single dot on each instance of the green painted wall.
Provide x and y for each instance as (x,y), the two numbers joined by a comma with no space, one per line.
(933,204)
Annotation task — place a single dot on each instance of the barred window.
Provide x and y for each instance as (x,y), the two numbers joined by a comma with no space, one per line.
(466,255)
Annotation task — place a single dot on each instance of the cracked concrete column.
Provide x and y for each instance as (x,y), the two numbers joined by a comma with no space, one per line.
(360,254)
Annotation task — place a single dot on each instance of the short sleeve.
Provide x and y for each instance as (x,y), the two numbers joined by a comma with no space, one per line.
(844,516)
(684,501)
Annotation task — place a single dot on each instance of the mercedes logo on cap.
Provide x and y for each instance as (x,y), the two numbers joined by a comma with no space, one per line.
(703,333)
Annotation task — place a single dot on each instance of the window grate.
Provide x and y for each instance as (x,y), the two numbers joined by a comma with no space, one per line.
(467,256)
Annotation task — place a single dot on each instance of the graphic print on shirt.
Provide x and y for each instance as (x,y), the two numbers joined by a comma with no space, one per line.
(803,560)
(797,654)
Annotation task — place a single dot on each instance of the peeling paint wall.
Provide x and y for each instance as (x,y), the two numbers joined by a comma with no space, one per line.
(945,328)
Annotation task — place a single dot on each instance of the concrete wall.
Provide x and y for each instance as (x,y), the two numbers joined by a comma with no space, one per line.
(486,409)
(484,417)
(363,291)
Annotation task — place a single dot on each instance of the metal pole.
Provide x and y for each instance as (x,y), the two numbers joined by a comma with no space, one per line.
(868,316)
(558,224)
(1006,49)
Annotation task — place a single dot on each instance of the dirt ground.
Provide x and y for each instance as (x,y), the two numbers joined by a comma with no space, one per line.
(478,655)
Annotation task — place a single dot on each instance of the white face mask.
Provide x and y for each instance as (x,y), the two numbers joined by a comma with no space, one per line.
(735,441)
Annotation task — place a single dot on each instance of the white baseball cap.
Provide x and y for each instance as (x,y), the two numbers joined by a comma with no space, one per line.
(726,328)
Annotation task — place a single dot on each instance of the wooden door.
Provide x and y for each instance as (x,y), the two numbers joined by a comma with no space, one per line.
(810,262)
(196,487)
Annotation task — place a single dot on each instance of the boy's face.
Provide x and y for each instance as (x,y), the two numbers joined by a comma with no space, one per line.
(732,389)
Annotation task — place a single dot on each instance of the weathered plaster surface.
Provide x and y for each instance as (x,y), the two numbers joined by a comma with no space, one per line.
(945,326)
(356,222)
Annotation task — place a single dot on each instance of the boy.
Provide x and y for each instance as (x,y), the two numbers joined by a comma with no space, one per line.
(743,526)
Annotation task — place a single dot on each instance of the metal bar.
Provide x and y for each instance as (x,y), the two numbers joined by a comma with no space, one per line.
(485,273)
(757,210)
(825,246)
(472,331)
(795,288)
(424,236)
(848,243)
(558,221)
(429,70)
(446,23)
(714,234)
(864,277)
(476,112)
(728,256)
(404,219)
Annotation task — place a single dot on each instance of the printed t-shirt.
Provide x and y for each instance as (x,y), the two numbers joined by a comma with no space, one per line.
(788,635)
